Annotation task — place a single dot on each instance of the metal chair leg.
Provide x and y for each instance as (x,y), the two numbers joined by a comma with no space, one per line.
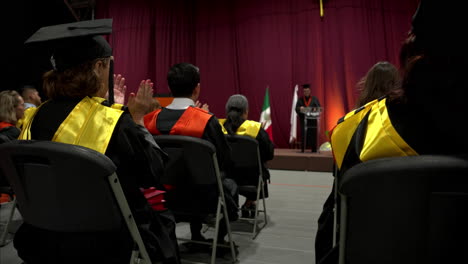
(7,225)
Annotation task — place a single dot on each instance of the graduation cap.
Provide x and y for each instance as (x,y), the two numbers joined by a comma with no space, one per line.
(306,85)
(73,44)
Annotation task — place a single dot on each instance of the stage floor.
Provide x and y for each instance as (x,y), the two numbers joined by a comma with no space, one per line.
(294,159)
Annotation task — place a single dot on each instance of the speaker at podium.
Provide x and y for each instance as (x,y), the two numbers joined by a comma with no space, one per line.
(310,128)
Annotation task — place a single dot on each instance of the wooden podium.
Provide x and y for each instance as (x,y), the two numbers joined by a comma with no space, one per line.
(311,121)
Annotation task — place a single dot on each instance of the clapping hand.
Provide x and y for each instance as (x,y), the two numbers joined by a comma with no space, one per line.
(204,106)
(119,89)
(139,103)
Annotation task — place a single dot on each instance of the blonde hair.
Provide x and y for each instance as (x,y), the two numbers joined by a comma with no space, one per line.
(9,100)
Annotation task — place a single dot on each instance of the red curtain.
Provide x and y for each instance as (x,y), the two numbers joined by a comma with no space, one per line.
(245,46)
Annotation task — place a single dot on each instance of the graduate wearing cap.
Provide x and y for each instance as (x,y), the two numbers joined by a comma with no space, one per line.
(307,100)
(77,113)
(424,116)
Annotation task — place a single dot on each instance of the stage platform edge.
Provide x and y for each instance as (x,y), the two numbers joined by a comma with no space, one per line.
(294,159)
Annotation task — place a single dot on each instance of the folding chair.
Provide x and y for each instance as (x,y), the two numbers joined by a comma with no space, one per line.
(247,168)
(5,188)
(193,164)
(68,188)
(405,210)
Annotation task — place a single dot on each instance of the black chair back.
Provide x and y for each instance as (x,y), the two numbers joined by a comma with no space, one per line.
(247,171)
(190,160)
(245,156)
(405,210)
(68,188)
(192,170)
(61,187)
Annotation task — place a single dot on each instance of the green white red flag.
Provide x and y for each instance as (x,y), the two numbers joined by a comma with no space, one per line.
(265,116)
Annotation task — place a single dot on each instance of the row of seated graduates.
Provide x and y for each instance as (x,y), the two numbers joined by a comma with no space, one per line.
(232,204)
(182,117)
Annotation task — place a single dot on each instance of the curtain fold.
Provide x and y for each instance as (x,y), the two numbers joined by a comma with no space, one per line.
(245,46)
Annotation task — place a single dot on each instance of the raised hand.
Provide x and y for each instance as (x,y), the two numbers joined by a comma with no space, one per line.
(139,103)
(204,106)
(119,89)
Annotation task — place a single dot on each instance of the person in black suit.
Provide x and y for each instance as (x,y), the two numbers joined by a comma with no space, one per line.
(307,100)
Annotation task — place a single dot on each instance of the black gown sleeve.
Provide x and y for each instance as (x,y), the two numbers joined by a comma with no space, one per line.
(215,135)
(266,148)
(299,103)
(11,132)
(315,102)
(265,145)
(133,150)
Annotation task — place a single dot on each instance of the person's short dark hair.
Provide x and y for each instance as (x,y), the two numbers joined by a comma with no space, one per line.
(182,79)
(26,88)
(306,86)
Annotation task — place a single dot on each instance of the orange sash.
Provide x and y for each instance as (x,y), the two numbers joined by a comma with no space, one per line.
(191,123)
(5,124)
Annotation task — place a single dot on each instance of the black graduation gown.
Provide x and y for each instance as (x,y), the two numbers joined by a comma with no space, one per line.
(139,164)
(9,133)
(424,131)
(311,124)
(266,149)
(213,133)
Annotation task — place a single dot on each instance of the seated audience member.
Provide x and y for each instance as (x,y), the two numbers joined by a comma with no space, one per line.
(11,110)
(184,83)
(423,117)
(30,96)
(380,80)
(76,87)
(236,123)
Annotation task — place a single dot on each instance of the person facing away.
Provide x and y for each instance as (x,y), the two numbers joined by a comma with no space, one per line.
(236,123)
(382,78)
(307,100)
(11,110)
(77,113)
(182,117)
(422,117)
(30,96)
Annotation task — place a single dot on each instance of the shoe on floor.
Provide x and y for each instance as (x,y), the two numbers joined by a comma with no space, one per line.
(194,247)
(245,213)
(248,212)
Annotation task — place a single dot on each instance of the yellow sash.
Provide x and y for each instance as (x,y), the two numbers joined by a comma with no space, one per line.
(248,128)
(27,113)
(89,124)
(380,138)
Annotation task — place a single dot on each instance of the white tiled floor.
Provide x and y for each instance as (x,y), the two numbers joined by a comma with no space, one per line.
(295,202)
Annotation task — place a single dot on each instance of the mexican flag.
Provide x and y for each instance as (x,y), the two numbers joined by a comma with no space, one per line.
(265,116)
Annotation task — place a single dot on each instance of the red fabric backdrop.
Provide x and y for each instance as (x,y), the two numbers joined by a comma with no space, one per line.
(244,46)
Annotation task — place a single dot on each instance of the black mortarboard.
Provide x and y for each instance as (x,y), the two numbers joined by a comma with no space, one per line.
(74,43)
(306,85)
